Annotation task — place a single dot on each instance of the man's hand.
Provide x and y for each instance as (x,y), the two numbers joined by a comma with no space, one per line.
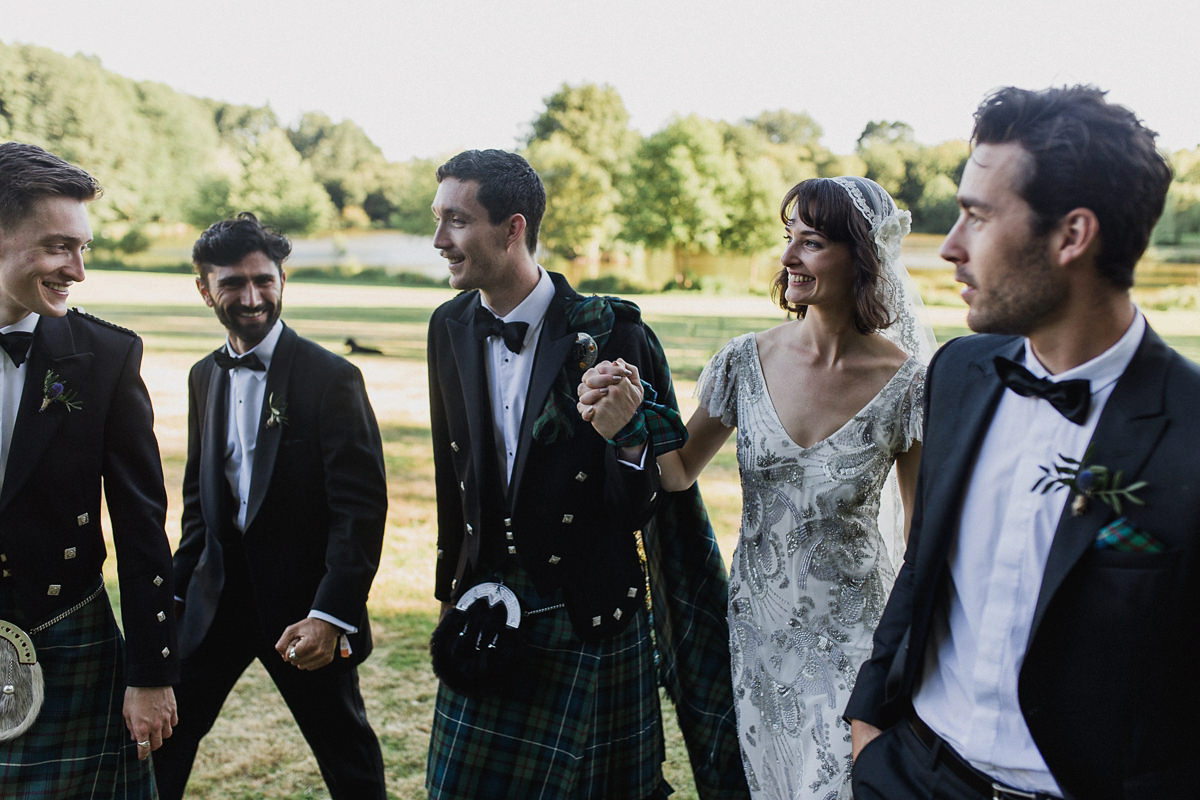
(861,734)
(150,715)
(609,395)
(308,644)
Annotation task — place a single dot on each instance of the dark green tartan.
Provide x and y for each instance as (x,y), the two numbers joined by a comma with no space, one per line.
(584,722)
(689,592)
(79,746)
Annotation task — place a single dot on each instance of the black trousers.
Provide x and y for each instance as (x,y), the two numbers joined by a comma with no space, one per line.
(326,703)
(899,766)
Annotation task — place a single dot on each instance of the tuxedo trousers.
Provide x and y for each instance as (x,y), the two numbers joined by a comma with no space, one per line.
(897,765)
(326,703)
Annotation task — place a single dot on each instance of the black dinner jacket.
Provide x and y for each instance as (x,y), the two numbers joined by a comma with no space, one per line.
(51,543)
(318,497)
(573,507)
(1109,683)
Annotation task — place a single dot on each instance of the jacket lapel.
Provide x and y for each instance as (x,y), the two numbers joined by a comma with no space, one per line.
(53,349)
(553,346)
(267,443)
(1129,429)
(213,485)
(472,377)
(957,448)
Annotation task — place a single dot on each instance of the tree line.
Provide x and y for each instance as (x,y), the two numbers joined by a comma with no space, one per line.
(696,185)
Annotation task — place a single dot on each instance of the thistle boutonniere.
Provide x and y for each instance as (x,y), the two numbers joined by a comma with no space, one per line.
(277,411)
(1087,481)
(54,390)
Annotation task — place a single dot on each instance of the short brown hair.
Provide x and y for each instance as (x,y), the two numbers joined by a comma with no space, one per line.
(28,173)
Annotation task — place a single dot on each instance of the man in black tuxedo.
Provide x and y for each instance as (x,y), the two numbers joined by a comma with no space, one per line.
(1039,640)
(74,413)
(285,500)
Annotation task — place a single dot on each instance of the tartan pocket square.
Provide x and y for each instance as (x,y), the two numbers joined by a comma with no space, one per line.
(1119,535)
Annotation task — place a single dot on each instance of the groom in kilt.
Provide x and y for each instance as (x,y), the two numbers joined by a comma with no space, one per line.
(74,413)
(538,514)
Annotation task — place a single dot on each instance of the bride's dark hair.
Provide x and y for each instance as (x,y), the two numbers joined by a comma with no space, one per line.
(825,206)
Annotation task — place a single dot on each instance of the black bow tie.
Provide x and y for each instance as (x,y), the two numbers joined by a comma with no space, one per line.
(488,324)
(1072,398)
(248,361)
(16,344)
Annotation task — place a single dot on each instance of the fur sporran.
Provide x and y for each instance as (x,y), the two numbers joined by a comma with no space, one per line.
(22,687)
(476,648)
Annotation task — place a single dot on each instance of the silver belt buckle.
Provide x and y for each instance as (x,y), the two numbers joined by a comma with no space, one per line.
(1002,792)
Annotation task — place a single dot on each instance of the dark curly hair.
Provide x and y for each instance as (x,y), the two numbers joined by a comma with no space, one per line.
(229,241)
(1084,153)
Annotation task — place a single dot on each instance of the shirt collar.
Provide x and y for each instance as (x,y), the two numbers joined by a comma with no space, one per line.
(1105,368)
(533,307)
(27,324)
(264,349)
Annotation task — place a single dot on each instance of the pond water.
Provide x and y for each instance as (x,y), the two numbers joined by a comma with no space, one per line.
(407,253)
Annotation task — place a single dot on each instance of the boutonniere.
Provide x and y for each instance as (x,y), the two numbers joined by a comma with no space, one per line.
(54,390)
(277,412)
(1087,481)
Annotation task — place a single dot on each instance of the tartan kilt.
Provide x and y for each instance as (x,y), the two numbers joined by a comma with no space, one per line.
(584,721)
(79,746)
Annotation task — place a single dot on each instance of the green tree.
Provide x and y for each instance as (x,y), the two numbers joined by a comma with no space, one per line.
(676,196)
(593,120)
(269,179)
(404,195)
(580,198)
(581,145)
(886,148)
(342,157)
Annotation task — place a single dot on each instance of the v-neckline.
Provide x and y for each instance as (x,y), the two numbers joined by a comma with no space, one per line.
(762,376)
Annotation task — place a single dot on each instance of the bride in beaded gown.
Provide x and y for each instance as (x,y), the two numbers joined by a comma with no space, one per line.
(824,406)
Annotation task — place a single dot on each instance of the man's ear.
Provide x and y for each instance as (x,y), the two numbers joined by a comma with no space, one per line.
(515,234)
(202,287)
(1077,233)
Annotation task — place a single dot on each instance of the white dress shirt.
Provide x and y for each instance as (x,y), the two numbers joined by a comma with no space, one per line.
(508,373)
(247,390)
(12,384)
(968,693)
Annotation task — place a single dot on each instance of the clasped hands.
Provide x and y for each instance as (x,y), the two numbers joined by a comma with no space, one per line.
(610,393)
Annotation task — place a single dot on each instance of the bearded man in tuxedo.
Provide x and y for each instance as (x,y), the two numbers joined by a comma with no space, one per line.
(284,505)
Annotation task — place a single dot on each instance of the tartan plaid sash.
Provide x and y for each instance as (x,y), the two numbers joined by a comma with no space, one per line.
(596,316)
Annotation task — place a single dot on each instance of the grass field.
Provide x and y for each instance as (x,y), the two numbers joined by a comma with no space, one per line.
(255,750)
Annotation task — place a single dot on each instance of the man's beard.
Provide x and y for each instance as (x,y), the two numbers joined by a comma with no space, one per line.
(250,334)
(1017,309)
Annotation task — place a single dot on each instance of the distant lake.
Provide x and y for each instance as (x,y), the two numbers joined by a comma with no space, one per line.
(401,252)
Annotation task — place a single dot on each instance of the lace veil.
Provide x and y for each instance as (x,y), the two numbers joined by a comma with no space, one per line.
(896,288)
(909,332)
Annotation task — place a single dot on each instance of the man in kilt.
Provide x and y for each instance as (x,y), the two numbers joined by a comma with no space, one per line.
(74,413)
(538,508)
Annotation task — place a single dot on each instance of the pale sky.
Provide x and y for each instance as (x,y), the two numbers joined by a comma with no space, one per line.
(427,78)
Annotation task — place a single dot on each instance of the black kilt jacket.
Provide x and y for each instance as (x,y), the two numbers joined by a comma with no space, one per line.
(570,514)
(1109,684)
(51,544)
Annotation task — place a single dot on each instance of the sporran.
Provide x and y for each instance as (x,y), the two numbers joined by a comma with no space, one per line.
(477,648)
